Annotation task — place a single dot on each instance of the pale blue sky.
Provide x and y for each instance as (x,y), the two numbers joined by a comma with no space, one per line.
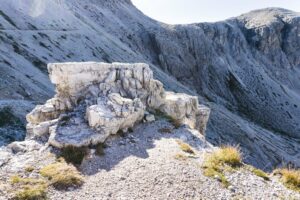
(189,11)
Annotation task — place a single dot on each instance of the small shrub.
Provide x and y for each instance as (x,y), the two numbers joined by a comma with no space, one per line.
(29,169)
(290,178)
(74,155)
(15,179)
(100,149)
(176,123)
(225,155)
(181,157)
(185,147)
(62,175)
(29,188)
(165,130)
(217,162)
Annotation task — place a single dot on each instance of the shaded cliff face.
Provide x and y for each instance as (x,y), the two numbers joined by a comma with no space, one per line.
(247,69)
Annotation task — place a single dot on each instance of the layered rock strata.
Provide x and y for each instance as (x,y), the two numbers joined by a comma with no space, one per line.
(95,100)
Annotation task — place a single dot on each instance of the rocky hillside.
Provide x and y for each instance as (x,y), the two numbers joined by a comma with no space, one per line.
(147,163)
(246,69)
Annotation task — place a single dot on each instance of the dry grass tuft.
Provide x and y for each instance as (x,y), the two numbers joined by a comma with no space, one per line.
(19,180)
(36,192)
(29,169)
(290,178)
(181,157)
(260,173)
(185,147)
(217,162)
(62,175)
(29,188)
(218,174)
(227,155)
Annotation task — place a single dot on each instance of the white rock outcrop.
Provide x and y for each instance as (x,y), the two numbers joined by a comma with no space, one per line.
(95,100)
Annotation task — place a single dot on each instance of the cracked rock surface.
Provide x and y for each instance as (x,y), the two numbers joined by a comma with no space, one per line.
(96,100)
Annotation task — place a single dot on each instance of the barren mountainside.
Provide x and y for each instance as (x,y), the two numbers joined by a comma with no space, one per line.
(246,69)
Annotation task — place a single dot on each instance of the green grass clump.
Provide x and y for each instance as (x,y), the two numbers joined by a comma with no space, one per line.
(29,188)
(74,155)
(290,178)
(220,160)
(185,147)
(62,175)
(260,173)
(216,173)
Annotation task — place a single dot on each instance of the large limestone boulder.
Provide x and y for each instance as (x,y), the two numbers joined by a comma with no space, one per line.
(96,100)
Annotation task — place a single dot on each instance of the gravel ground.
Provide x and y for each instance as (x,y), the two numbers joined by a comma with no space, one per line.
(141,165)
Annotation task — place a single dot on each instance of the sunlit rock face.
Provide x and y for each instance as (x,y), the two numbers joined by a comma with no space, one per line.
(95,100)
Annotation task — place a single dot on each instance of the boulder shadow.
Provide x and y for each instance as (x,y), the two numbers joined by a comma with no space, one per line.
(138,142)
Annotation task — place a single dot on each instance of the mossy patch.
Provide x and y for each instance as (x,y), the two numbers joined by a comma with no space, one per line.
(218,174)
(62,175)
(36,192)
(29,188)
